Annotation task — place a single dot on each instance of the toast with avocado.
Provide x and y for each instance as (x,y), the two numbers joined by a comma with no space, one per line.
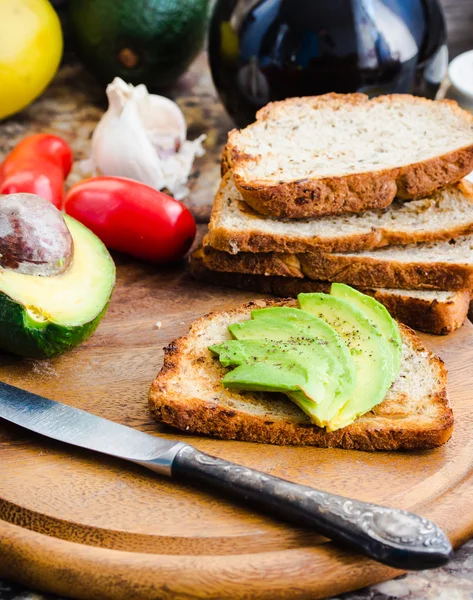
(433,311)
(398,403)
(346,153)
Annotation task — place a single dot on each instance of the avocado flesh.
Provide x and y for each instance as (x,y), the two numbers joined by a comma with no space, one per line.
(314,327)
(378,315)
(326,411)
(41,317)
(308,329)
(290,313)
(370,351)
(277,366)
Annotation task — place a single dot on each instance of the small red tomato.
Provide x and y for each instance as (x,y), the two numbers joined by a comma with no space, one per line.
(53,147)
(132,217)
(38,165)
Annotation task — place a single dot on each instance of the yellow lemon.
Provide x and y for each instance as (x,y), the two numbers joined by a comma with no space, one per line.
(30,51)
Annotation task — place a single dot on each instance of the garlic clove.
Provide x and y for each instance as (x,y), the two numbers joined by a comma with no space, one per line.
(143,136)
(164,122)
(120,145)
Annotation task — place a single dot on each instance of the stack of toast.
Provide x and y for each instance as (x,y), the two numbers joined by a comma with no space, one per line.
(368,192)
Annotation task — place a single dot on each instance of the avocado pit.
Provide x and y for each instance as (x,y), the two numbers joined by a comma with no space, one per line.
(34,238)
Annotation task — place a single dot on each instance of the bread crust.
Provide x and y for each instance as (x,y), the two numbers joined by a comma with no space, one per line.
(254,240)
(226,160)
(375,431)
(271,263)
(435,317)
(369,272)
(438,318)
(360,271)
(351,193)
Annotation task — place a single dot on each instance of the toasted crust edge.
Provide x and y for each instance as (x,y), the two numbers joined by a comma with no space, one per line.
(252,240)
(197,416)
(370,272)
(355,270)
(438,318)
(351,193)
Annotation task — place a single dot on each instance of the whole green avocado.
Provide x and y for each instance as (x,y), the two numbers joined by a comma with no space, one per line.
(142,41)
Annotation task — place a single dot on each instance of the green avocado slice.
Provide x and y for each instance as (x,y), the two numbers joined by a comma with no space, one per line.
(285,323)
(378,315)
(277,366)
(292,314)
(41,317)
(320,328)
(314,327)
(370,351)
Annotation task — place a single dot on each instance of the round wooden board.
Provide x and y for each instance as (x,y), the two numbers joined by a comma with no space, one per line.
(84,525)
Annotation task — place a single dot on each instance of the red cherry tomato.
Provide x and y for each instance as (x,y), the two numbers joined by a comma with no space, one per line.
(132,217)
(38,165)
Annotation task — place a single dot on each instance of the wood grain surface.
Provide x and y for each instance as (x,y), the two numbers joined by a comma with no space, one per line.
(88,526)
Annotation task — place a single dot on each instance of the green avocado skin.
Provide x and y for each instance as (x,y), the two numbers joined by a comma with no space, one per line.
(22,335)
(163,35)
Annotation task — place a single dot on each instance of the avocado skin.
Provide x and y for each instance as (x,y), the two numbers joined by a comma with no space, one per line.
(164,36)
(20,335)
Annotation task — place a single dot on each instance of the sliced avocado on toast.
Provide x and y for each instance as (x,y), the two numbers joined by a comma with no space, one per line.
(370,351)
(346,346)
(41,317)
(376,313)
(314,326)
(282,366)
(300,328)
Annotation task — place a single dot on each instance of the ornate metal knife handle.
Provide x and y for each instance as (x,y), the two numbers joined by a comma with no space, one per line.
(391,536)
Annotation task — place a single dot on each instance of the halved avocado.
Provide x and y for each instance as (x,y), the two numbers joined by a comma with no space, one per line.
(41,317)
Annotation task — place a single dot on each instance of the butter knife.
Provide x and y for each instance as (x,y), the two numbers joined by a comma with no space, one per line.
(391,536)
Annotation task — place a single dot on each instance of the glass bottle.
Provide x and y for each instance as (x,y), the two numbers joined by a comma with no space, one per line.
(264,50)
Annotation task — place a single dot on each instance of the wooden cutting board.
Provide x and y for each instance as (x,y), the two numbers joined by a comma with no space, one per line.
(87,526)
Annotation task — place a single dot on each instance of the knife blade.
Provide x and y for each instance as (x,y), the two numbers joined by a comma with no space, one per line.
(392,536)
(80,428)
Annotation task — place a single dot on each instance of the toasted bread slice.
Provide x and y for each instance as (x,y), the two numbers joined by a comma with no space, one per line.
(339,153)
(444,265)
(235,227)
(437,312)
(188,394)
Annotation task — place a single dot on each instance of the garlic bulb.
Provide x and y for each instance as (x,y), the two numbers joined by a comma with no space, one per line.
(143,136)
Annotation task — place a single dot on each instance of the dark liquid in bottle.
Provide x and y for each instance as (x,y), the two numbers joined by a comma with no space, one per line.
(267,50)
